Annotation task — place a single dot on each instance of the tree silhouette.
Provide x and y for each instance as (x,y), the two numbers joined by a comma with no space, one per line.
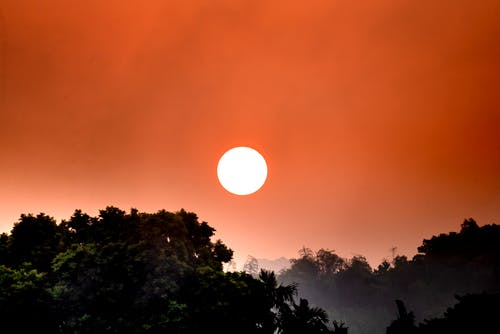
(24,302)
(405,322)
(339,327)
(134,272)
(251,266)
(474,313)
(301,318)
(280,294)
(4,249)
(278,297)
(452,263)
(34,239)
(329,262)
(160,272)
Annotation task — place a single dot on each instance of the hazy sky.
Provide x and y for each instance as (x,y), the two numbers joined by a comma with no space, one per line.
(380,120)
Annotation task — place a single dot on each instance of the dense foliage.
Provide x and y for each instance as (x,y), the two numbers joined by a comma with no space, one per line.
(448,265)
(474,313)
(137,273)
(162,273)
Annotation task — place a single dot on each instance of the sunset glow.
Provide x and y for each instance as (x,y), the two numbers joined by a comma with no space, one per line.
(242,170)
(379,120)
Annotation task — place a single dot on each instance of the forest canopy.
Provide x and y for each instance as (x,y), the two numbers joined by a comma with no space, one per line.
(162,272)
(447,267)
(137,273)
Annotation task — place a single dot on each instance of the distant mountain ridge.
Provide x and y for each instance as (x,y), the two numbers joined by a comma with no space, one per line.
(275,265)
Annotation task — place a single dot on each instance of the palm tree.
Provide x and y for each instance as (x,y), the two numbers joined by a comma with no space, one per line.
(278,297)
(289,317)
(405,323)
(279,294)
(306,319)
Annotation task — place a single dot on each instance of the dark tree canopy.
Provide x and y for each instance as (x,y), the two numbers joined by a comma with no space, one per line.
(455,263)
(34,239)
(162,272)
(136,272)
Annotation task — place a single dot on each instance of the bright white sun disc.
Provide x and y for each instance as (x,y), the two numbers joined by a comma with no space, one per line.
(242,170)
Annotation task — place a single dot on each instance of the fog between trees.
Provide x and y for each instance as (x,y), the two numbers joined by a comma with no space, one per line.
(162,272)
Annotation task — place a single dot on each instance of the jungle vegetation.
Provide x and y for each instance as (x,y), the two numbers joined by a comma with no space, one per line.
(136,272)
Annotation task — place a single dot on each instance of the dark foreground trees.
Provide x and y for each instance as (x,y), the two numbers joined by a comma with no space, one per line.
(473,313)
(137,273)
(162,273)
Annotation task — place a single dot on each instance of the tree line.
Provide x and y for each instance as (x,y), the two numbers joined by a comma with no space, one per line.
(452,272)
(137,272)
(162,272)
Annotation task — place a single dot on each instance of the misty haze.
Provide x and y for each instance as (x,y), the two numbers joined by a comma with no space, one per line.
(337,164)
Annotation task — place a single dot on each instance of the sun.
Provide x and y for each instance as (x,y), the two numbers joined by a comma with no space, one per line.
(242,170)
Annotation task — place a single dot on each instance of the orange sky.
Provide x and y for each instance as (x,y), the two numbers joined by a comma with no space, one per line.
(380,120)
